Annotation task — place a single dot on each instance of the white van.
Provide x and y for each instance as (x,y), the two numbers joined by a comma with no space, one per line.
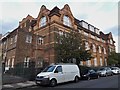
(58,73)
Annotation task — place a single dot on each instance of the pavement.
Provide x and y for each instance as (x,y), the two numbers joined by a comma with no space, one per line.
(15,82)
(19,85)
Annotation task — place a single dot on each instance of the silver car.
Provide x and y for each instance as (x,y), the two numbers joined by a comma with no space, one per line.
(105,71)
(115,70)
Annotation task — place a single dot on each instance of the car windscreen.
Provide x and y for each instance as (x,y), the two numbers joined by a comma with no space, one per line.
(49,69)
(85,71)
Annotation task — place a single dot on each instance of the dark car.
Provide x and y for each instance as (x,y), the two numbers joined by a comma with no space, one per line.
(89,74)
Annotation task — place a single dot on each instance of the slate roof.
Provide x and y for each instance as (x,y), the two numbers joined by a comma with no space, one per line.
(55,11)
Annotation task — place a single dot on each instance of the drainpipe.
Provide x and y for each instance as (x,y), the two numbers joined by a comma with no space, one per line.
(49,40)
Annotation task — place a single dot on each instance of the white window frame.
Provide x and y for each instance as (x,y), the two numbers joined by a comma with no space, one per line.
(43,21)
(26,62)
(91,28)
(97,31)
(67,21)
(85,25)
(28,39)
(40,40)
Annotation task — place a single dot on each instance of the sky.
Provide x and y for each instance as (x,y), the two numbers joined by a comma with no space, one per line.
(102,14)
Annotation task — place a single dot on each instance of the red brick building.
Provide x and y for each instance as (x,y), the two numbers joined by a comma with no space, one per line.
(34,38)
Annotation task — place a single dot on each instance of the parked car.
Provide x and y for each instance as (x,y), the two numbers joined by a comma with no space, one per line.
(105,71)
(58,73)
(115,70)
(90,74)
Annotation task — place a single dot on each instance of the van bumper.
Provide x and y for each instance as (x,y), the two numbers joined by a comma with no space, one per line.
(43,81)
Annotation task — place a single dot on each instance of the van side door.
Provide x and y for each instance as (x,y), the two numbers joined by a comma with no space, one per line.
(58,73)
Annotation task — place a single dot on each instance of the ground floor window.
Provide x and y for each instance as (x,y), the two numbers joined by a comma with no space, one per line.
(26,62)
(88,62)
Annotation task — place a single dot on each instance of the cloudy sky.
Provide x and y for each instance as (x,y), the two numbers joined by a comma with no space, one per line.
(103,15)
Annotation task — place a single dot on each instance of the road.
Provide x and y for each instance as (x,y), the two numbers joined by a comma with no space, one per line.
(102,82)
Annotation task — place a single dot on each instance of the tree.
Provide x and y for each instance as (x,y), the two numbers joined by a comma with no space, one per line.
(113,58)
(70,48)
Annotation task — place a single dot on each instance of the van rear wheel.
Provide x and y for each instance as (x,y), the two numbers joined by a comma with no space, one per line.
(76,79)
(53,83)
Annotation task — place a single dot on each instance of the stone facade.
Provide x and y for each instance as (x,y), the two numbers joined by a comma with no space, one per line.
(34,38)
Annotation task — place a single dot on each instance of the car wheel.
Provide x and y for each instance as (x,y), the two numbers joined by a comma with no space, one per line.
(76,79)
(106,75)
(53,83)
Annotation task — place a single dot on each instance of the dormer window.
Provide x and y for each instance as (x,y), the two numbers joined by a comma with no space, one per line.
(67,21)
(43,21)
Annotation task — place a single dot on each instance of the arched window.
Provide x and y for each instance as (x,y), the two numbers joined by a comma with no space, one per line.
(66,20)
(99,49)
(43,21)
(104,51)
(94,48)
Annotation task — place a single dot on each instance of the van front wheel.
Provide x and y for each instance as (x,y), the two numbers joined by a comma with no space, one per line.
(53,82)
(76,79)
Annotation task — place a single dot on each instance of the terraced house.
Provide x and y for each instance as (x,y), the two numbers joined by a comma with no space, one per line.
(34,38)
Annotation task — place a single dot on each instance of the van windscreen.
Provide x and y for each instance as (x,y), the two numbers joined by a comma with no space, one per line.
(49,69)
